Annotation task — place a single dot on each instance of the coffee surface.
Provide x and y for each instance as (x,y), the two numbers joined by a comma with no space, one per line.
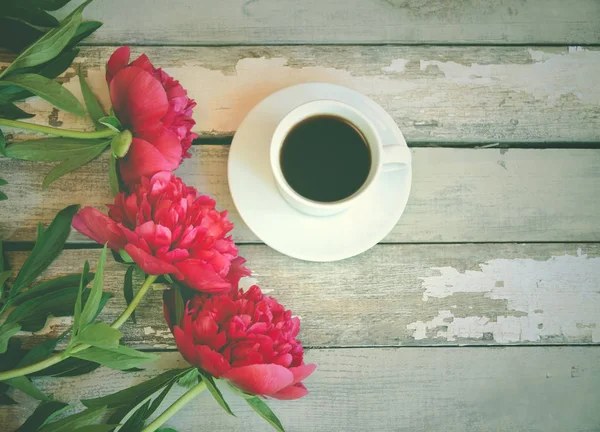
(325,158)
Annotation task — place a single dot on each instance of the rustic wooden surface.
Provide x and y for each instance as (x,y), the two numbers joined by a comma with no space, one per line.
(484,294)
(458,195)
(536,389)
(447,324)
(202,22)
(436,94)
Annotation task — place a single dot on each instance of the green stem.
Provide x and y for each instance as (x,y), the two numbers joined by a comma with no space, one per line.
(57,358)
(177,405)
(104,133)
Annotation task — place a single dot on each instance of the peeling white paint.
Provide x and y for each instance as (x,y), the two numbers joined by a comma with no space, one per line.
(51,324)
(148,331)
(546,291)
(248,281)
(398,65)
(551,76)
(165,334)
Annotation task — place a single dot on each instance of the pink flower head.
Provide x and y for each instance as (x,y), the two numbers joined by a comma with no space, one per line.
(246,338)
(167,228)
(156,109)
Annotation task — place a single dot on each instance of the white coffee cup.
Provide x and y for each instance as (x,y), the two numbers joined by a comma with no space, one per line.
(384,156)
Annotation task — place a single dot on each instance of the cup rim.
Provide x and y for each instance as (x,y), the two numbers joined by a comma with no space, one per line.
(275,149)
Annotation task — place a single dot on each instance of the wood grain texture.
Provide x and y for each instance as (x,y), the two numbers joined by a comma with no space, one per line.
(402,295)
(435,94)
(543,389)
(204,22)
(458,195)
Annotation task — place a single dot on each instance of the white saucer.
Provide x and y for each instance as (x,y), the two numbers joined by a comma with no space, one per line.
(282,227)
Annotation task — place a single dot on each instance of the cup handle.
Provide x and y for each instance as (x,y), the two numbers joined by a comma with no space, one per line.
(395,157)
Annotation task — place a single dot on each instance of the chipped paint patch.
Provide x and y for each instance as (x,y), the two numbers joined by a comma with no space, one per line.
(148,331)
(540,299)
(398,65)
(551,76)
(165,334)
(51,324)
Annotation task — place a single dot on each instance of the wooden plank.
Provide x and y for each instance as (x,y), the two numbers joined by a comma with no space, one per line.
(203,22)
(484,294)
(458,195)
(436,94)
(468,389)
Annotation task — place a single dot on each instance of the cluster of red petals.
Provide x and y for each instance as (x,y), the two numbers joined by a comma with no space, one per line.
(246,338)
(156,109)
(167,228)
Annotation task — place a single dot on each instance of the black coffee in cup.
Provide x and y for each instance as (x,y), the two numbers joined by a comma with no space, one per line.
(325,158)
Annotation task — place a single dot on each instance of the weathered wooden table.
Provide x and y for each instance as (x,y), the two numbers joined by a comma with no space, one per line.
(481,310)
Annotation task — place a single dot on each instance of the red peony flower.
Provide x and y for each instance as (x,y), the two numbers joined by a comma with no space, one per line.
(167,228)
(246,338)
(156,109)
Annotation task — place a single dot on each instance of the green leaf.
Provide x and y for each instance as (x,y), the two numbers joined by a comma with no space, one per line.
(57,65)
(113,176)
(68,368)
(28,14)
(3,278)
(71,423)
(44,412)
(69,281)
(71,164)
(2,143)
(128,289)
(32,314)
(47,89)
(85,29)
(26,386)
(138,393)
(2,183)
(96,428)
(91,102)
(16,35)
(47,247)
(49,5)
(49,45)
(79,302)
(189,379)
(91,305)
(111,122)
(215,392)
(135,422)
(39,352)
(52,149)
(166,430)
(7,331)
(119,358)
(12,112)
(265,412)
(100,335)
(3,196)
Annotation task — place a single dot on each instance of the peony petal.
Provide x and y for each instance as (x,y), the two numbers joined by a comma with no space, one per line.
(99,227)
(201,276)
(292,392)
(117,61)
(211,361)
(260,379)
(301,372)
(148,263)
(167,143)
(185,345)
(237,271)
(143,160)
(138,98)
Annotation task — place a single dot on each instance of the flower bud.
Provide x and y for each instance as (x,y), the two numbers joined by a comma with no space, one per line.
(120,143)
